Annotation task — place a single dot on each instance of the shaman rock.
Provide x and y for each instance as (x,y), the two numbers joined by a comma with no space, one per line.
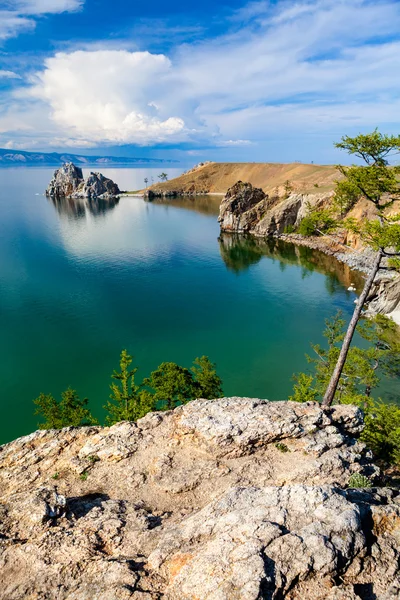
(227,499)
(68,182)
(65,181)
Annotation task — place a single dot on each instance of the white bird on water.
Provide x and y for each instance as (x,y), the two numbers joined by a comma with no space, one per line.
(351,288)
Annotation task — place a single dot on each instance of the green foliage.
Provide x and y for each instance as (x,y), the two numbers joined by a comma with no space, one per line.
(172,385)
(356,480)
(83,476)
(361,374)
(363,365)
(69,411)
(317,221)
(128,401)
(346,196)
(289,229)
(208,384)
(382,431)
(56,476)
(373,148)
(282,447)
(378,233)
(303,390)
(163,177)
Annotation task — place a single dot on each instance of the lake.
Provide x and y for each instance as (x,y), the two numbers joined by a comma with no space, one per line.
(80,282)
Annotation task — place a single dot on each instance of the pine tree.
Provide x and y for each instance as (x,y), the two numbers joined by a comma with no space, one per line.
(378,183)
(209,384)
(69,411)
(128,401)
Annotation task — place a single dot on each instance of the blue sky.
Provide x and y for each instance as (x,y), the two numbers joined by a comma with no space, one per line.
(261,81)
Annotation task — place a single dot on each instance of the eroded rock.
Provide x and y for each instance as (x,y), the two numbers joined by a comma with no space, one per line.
(68,182)
(231,499)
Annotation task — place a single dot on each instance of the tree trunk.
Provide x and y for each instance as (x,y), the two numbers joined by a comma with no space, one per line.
(334,381)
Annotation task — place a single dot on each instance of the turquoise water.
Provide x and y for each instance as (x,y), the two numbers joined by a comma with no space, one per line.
(79,283)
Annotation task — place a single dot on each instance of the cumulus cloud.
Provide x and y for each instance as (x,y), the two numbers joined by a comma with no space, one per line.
(325,65)
(108,95)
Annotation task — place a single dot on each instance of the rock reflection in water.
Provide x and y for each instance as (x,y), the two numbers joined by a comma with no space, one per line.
(206,205)
(239,252)
(77,208)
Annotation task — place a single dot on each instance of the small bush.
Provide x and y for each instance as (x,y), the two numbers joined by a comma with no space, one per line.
(83,476)
(307,227)
(281,447)
(357,480)
(56,476)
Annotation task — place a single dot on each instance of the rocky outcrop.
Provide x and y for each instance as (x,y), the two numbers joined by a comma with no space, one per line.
(65,181)
(246,209)
(242,208)
(235,498)
(68,182)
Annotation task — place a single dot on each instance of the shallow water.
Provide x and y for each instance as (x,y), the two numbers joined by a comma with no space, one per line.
(81,281)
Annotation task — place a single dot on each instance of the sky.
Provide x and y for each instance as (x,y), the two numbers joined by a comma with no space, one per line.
(268,80)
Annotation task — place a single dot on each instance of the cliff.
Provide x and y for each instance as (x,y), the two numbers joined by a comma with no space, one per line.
(234,498)
(246,209)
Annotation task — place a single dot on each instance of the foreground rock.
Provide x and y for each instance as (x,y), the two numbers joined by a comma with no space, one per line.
(229,499)
(68,182)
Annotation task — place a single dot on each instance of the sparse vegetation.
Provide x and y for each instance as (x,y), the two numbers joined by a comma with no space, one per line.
(361,374)
(167,387)
(356,480)
(282,447)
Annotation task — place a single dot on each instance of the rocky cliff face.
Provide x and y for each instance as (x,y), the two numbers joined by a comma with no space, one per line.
(246,209)
(235,498)
(65,181)
(68,182)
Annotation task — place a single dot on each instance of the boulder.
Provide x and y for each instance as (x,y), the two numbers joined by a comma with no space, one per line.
(65,181)
(68,182)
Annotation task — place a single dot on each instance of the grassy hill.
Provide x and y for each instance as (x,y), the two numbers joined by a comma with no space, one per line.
(218,177)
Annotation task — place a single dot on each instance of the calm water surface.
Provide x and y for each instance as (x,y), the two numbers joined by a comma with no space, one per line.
(80,282)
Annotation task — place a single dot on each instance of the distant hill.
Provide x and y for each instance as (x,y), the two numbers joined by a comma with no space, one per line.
(31,159)
(218,177)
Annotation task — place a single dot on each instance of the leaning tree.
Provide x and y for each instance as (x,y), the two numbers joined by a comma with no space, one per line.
(378,183)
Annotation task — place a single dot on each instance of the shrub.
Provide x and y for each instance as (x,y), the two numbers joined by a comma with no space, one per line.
(356,480)
(382,431)
(281,447)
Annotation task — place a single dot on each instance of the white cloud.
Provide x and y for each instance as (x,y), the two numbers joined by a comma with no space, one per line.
(40,7)
(18,16)
(8,75)
(107,95)
(326,65)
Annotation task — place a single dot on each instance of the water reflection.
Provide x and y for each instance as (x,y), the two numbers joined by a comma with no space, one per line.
(78,208)
(239,252)
(206,205)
